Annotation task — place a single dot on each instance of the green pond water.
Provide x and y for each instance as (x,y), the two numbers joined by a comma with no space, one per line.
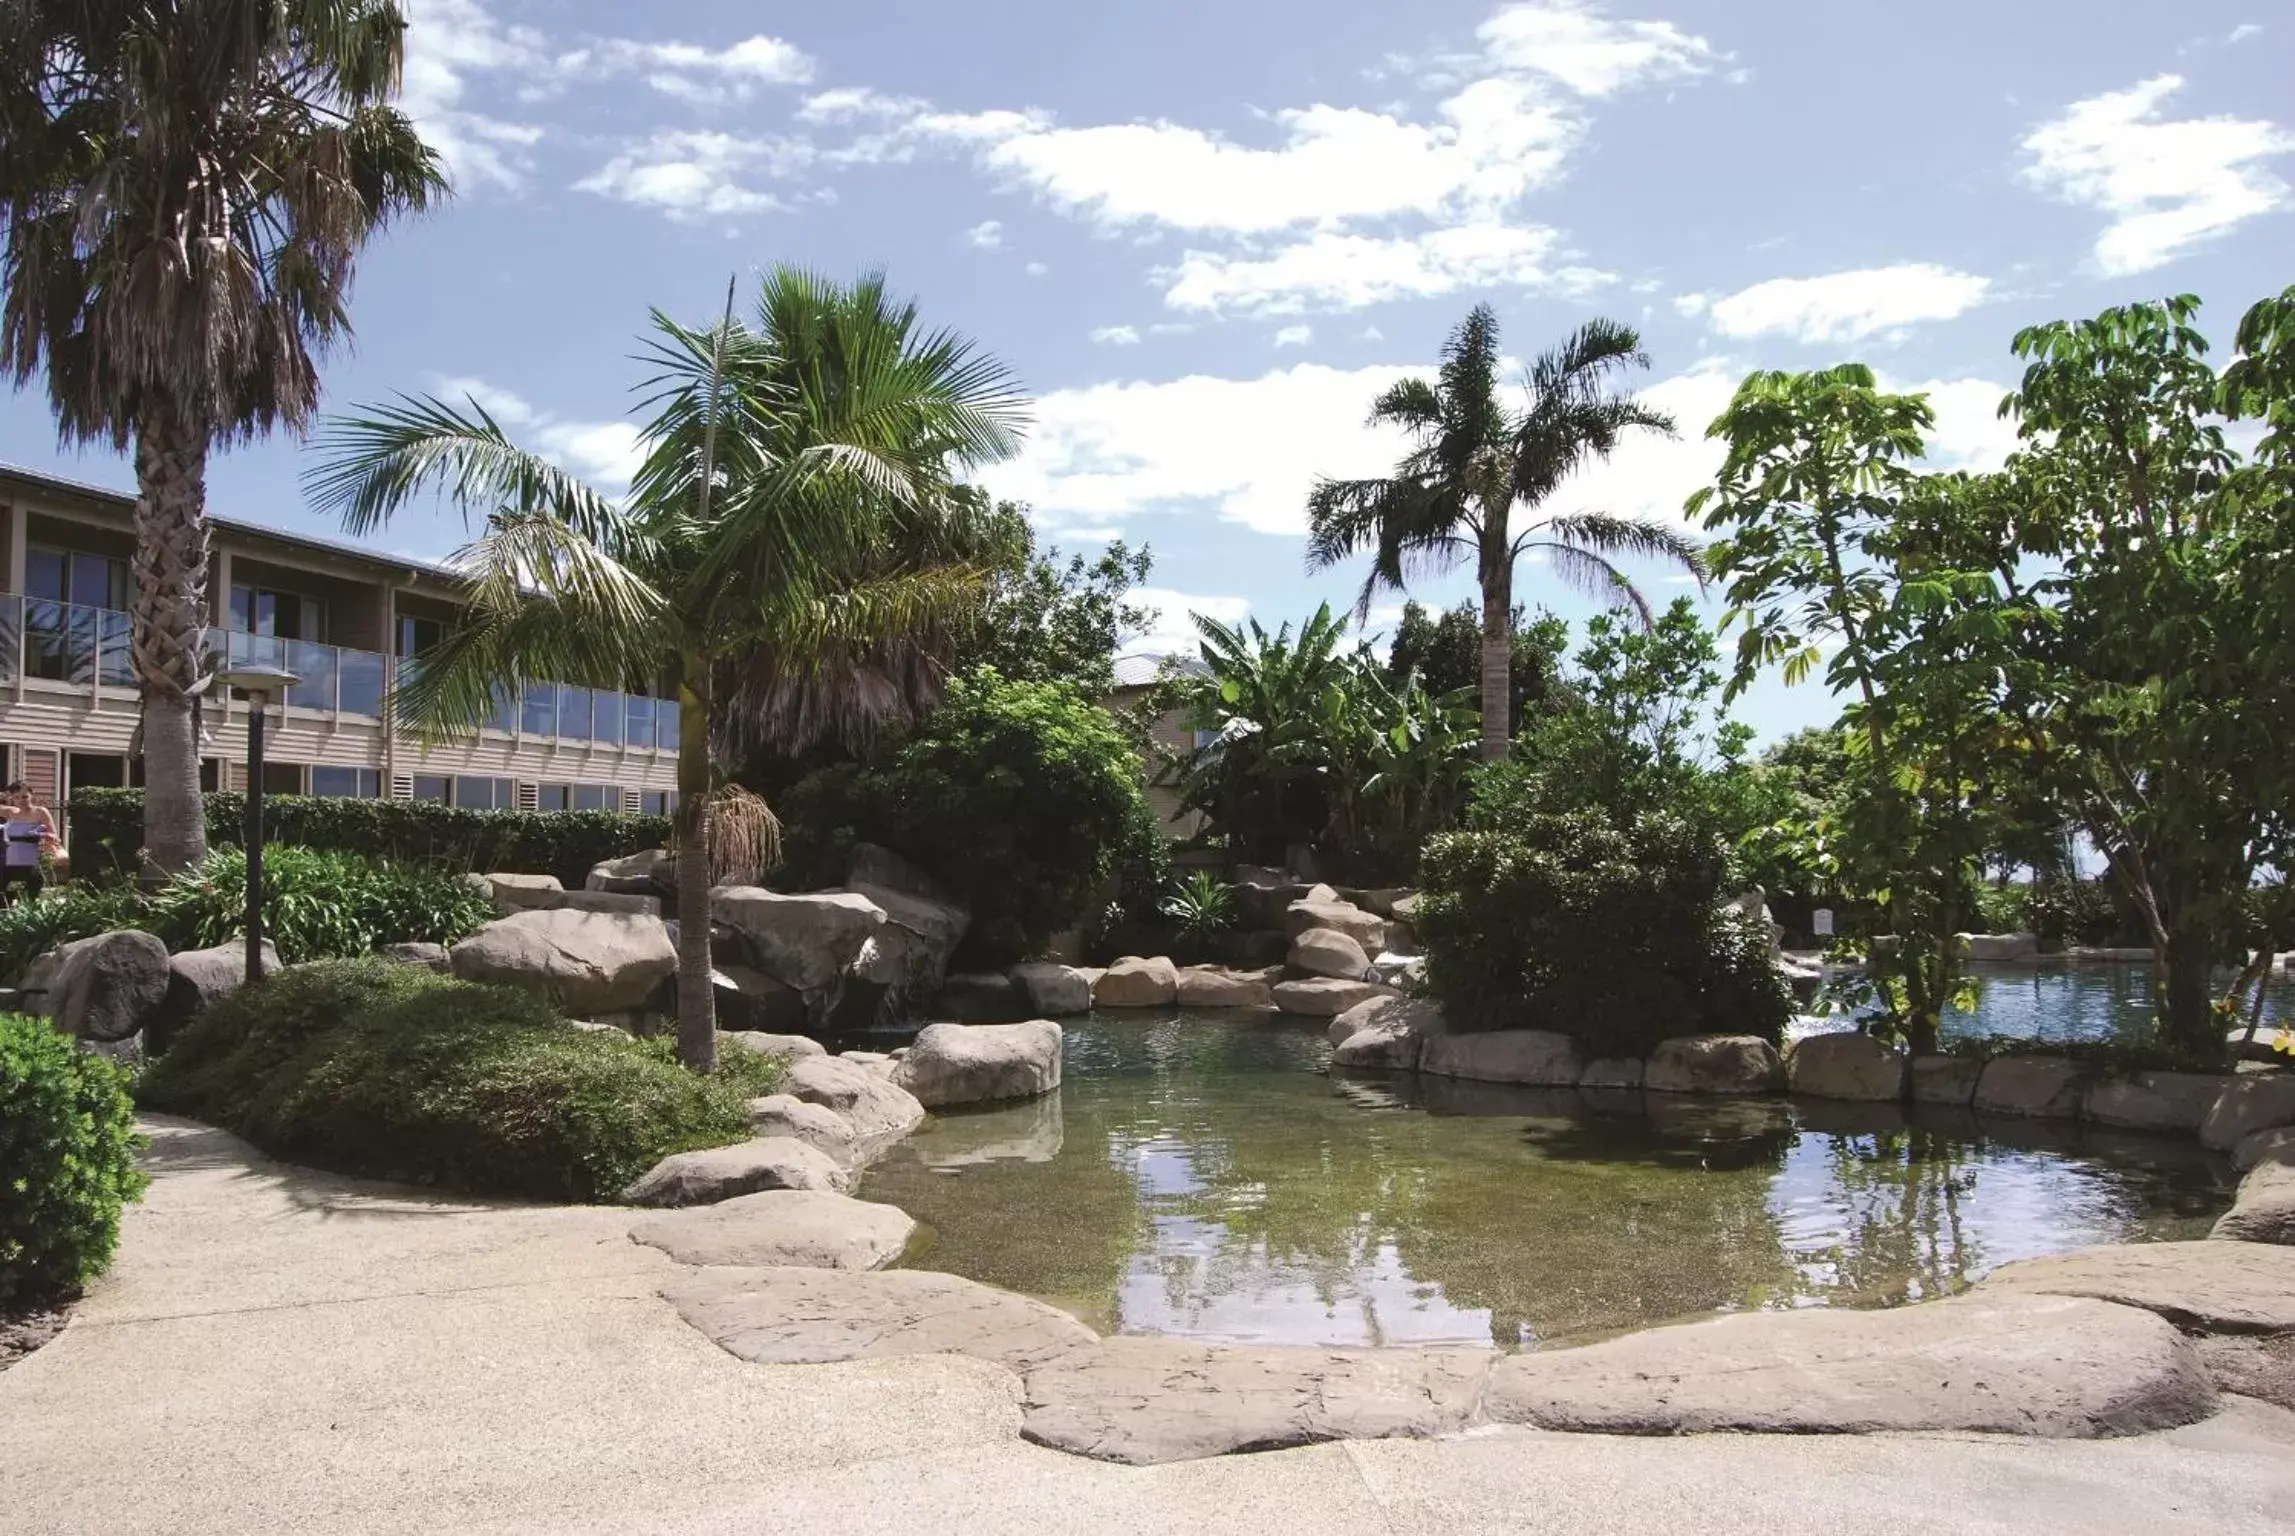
(1203,1175)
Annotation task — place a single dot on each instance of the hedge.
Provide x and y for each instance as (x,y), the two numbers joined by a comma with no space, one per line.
(67,1162)
(107,832)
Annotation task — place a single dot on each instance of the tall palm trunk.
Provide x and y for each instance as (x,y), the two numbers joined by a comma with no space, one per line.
(170,630)
(696,995)
(1497,642)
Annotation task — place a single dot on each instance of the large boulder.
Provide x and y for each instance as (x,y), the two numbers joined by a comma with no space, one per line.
(2203,1286)
(1537,1056)
(902,963)
(431,957)
(584,962)
(1134,982)
(1387,1033)
(878,1110)
(102,989)
(1379,899)
(2154,1101)
(808,1228)
(2039,1086)
(2265,1209)
(1612,1072)
(2254,1102)
(1998,946)
(1367,929)
(1205,986)
(980,1063)
(983,998)
(784,1114)
(1328,952)
(650,873)
(197,980)
(780,1047)
(720,1173)
(1324,997)
(1846,1065)
(748,999)
(1727,1064)
(514,892)
(2276,1145)
(1940,1079)
(1390,969)
(806,942)
(1051,990)
(608,901)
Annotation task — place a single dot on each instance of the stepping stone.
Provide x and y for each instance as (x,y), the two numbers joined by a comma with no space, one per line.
(813,1316)
(2264,1212)
(807,1228)
(2056,1366)
(1149,1400)
(2210,1285)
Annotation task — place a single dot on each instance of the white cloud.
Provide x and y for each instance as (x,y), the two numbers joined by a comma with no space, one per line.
(1333,271)
(1035,269)
(848,103)
(2168,186)
(2243,32)
(1575,44)
(702,76)
(698,174)
(1118,335)
(1844,306)
(987,235)
(606,453)
(1294,335)
(1371,333)
(1170,633)
(447,43)
(1691,303)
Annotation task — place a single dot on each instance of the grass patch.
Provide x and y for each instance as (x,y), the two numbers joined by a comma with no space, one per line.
(394,1072)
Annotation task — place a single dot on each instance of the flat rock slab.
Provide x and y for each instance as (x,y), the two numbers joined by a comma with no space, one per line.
(721,1173)
(2062,1367)
(878,1111)
(2213,1286)
(809,1229)
(815,1316)
(1149,1400)
(2265,1209)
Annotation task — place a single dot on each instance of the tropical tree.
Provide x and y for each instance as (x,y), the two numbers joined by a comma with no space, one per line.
(182,201)
(795,508)
(1474,461)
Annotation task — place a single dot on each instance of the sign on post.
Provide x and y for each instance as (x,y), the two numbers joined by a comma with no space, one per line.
(1821,922)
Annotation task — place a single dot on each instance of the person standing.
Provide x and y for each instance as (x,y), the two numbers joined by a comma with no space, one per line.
(30,831)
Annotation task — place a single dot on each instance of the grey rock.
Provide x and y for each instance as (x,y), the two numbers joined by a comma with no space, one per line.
(513,892)
(2237,1046)
(1728,1064)
(1367,929)
(650,873)
(197,980)
(1379,899)
(1535,1056)
(1137,982)
(585,962)
(744,1168)
(786,1047)
(1387,1033)
(1204,986)
(980,999)
(878,1110)
(2154,1101)
(2053,1366)
(2042,1086)
(598,1027)
(1144,1401)
(2265,1209)
(1945,1079)
(1847,1065)
(431,957)
(981,1063)
(1052,990)
(784,1114)
(1328,952)
(1999,946)
(2276,1145)
(103,989)
(805,942)
(812,1317)
(1612,1072)
(2210,1286)
(607,901)
(808,1228)
(748,999)
(2257,1102)
(1324,997)
(902,963)
(1389,969)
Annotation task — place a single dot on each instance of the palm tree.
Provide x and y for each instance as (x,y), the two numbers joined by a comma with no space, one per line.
(795,509)
(1473,462)
(182,201)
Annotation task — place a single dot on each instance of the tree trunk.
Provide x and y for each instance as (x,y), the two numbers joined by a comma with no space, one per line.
(170,634)
(2188,1022)
(1497,655)
(696,995)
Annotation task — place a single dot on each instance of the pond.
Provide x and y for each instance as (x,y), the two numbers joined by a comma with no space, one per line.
(1201,1174)
(2066,1001)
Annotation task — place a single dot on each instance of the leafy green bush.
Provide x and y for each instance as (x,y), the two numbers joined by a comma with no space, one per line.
(2000,908)
(29,929)
(67,1162)
(1202,903)
(1608,928)
(318,905)
(1023,799)
(107,832)
(394,1072)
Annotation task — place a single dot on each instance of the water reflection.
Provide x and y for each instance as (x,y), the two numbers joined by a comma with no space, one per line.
(1201,1176)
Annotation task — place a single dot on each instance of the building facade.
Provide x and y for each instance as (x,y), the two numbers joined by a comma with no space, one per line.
(343,619)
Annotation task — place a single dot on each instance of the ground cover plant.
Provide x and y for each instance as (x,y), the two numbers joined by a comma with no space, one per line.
(67,1162)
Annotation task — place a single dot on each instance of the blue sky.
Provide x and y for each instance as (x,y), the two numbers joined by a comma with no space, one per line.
(1204,235)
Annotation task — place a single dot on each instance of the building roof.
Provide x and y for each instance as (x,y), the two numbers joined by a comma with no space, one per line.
(1148,667)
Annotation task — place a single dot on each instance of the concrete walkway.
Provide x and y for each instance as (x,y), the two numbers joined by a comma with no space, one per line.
(283,1351)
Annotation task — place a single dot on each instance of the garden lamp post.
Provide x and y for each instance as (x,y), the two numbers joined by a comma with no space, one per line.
(259,680)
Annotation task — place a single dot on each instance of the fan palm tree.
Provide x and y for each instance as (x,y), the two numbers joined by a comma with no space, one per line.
(1474,462)
(795,508)
(183,196)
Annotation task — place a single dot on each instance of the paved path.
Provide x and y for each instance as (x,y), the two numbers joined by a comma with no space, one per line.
(282,1351)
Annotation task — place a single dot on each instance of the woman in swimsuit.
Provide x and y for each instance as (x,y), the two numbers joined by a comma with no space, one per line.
(29,831)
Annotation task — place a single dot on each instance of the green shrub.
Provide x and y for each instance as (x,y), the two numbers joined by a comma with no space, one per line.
(67,1162)
(1608,928)
(1023,799)
(29,929)
(107,832)
(318,905)
(394,1072)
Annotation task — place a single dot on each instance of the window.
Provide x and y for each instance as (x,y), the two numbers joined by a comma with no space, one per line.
(433,786)
(639,731)
(346,783)
(282,778)
(485,794)
(597,797)
(418,635)
(657,802)
(553,797)
(74,576)
(540,715)
(287,615)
